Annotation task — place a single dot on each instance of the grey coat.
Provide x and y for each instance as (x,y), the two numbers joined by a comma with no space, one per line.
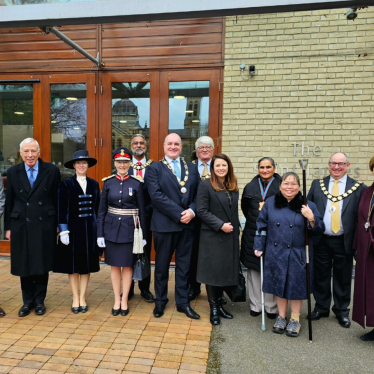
(218,261)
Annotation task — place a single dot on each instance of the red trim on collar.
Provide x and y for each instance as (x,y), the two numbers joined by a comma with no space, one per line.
(124,178)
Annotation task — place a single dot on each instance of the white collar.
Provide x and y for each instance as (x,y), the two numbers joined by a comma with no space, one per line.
(169,160)
(135,161)
(341,180)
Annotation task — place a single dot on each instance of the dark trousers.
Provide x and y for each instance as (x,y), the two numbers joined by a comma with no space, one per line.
(34,288)
(165,244)
(193,268)
(330,254)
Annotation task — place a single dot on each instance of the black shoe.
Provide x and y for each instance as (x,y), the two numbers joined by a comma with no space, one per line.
(224,313)
(344,321)
(369,337)
(25,310)
(254,314)
(189,312)
(124,312)
(115,312)
(147,296)
(2,313)
(75,309)
(214,314)
(222,300)
(316,315)
(83,309)
(40,309)
(158,311)
(272,315)
(193,293)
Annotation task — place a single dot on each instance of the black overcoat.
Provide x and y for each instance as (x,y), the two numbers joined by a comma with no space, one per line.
(218,262)
(31,217)
(77,213)
(250,203)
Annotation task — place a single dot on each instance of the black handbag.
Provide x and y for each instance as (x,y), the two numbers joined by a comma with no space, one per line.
(142,268)
(237,293)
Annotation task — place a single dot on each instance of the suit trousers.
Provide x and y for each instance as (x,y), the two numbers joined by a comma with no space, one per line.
(194,284)
(34,288)
(330,253)
(165,244)
(254,293)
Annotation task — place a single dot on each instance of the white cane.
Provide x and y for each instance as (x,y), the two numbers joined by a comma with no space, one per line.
(263,327)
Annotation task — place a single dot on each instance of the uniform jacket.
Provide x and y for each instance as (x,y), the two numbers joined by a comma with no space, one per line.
(168,200)
(349,209)
(77,213)
(127,194)
(250,203)
(31,216)
(363,302)
(218,263)
(284,246)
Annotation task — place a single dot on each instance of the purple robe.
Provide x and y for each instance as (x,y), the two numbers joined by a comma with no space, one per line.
(363,301)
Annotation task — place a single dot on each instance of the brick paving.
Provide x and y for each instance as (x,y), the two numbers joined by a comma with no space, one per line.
(96,342)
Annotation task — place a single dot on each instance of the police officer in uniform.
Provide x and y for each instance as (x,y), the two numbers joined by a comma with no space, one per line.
(121,205)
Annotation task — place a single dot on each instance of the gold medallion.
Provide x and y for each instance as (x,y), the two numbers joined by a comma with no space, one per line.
(261,204)
(182,183)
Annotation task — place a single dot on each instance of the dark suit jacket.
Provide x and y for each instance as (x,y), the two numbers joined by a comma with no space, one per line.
(31,216)
(349,210)
(167,199)
(218,263)
(147,199)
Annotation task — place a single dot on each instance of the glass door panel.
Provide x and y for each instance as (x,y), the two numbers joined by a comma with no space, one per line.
(68,123)
(189,112)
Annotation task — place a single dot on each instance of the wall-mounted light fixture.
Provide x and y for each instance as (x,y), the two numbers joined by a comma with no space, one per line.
(351,13)
(251,70)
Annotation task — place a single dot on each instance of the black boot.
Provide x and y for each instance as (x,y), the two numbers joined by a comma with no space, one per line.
(222,312)
(214,313)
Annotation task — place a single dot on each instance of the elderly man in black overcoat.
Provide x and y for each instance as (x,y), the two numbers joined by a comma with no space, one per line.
(31,223)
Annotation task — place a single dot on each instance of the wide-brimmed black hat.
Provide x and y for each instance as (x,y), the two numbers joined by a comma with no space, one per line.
(80,156)
(122,154)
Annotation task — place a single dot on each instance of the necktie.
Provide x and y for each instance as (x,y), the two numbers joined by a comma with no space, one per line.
(139,172)
(335,215)
(177,170)
(31,177)
(205,171)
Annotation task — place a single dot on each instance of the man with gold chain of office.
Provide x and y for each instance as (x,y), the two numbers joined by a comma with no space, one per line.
(337,199)
(138,168)
(204,151)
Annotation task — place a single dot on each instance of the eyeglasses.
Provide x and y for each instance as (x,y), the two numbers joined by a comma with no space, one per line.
(340,164)
(206,148)
(293,185)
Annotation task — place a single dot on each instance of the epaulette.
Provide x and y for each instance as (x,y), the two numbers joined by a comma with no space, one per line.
(110,176)
(194,162)
(138,178)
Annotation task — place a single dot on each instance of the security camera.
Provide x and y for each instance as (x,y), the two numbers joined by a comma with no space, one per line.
(252,69)
(351,13)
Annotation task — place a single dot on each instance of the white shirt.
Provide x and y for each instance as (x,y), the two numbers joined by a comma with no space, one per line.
(327,216)
(143,161)
(82,182)
(200,166)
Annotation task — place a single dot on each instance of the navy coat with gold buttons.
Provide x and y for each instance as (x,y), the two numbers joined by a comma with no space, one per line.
(280,235)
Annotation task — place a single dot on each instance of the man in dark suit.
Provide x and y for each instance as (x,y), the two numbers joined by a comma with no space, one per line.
(172,185)
(337,198)
(204,151)
(138,168)
(31,223)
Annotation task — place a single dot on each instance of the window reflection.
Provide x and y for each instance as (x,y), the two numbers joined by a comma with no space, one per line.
(68,123)
(189,112)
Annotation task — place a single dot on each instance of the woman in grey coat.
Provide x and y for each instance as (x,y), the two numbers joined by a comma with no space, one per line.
(280,234)
(217,207)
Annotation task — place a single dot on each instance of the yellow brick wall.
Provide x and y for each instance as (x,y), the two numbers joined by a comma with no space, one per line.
(313,84)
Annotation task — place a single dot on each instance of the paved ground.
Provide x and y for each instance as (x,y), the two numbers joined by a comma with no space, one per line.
(239,346)
(97,342)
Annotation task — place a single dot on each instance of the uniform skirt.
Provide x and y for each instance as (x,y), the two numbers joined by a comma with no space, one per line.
(119,254)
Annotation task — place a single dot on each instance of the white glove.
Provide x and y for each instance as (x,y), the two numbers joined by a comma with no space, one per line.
(101,242)
(64,239)
(144,242)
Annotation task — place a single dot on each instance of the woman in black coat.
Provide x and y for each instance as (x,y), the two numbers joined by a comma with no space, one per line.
(217,207)
(262,186)
(77,252)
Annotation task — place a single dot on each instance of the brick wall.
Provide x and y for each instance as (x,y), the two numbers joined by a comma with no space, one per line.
(314,86)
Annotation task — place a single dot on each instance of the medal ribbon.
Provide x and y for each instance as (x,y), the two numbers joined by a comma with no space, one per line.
(263,194)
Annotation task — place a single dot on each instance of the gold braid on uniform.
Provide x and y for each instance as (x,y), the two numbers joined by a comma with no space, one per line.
(138,178)
(110,176)
(340,197)
(140,167)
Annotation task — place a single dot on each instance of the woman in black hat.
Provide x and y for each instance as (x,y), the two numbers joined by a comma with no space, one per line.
(77,252)
(121,206)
